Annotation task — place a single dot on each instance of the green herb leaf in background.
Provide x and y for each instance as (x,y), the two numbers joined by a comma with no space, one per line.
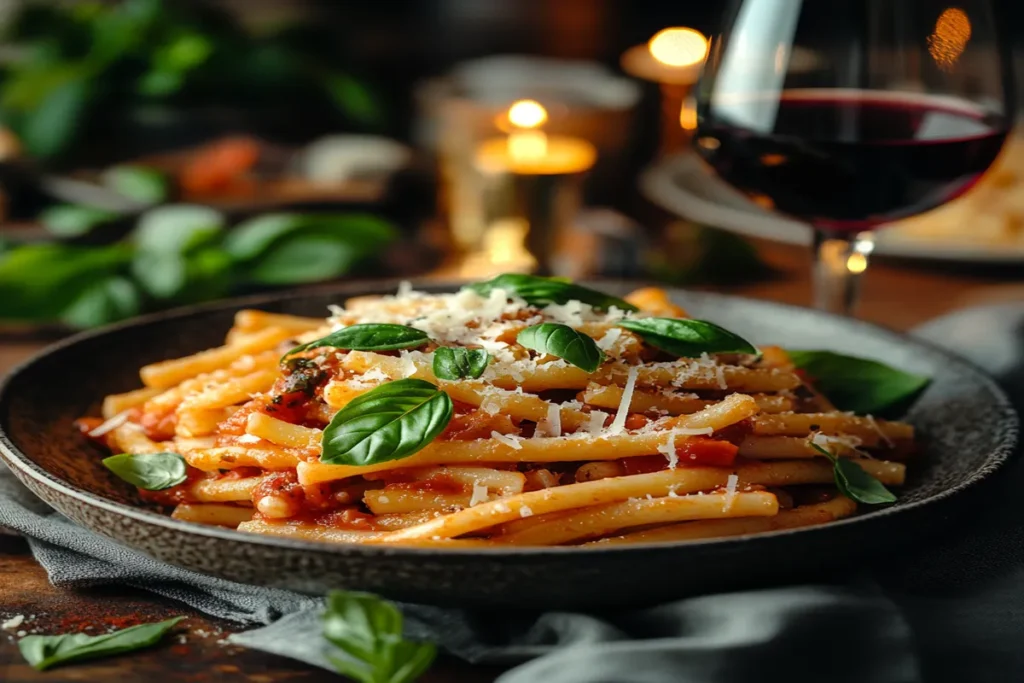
(687,338)
(352,97)
(389,422)
(149,471)
(459,363)
(105,301)
(853,482)
(368,337)
(542,291)
(256,238)
(860,385)
(177,228)
(54,123)
(70,220)
(368,631)
(39,281)
(302,259)
(564,342)
(43,652)
(138,183)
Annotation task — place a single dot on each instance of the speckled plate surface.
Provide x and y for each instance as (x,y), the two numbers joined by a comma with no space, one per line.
(966,423)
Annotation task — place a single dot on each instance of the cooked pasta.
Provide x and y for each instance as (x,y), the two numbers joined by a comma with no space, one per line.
(522,411)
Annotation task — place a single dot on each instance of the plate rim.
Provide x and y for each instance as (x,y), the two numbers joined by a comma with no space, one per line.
(21,465)
(658,184)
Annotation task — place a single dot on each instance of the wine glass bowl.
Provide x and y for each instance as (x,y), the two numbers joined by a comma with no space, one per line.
(910,105)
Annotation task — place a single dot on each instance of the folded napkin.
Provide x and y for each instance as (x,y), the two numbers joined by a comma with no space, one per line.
(953,612)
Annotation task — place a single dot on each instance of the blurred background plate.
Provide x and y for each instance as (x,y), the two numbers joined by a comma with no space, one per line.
(982,227)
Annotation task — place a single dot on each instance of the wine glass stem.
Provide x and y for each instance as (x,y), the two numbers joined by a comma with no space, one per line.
(839,261)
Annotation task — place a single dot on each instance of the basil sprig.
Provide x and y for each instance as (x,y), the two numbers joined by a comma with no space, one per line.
(389,422)
(368,337)
(858,384)
(460,363)
(368,631)
(853,482)
(687,338)
(42,652)
(542,291)
(149,471)
(563,341)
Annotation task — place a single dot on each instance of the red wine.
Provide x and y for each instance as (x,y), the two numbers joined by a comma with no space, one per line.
(849,160)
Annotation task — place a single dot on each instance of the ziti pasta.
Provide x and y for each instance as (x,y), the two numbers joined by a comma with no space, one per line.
(521,411)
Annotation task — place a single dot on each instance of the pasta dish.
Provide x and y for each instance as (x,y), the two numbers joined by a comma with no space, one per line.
(521,411)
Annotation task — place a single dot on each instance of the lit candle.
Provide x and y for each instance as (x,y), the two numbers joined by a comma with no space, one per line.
(672,56)
(530,151)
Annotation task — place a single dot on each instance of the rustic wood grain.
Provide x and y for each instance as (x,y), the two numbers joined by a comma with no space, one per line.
(899,296)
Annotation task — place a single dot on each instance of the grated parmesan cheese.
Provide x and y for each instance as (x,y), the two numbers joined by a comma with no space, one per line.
(730,492)
(509,440)
(13,622)
(525,511)
(480,495)
(248,438)
(607,342)
(552,425)
(110,425)
(408,364)
(668,449)
(502,508)
(881,434)
(619,423)
(720,375)
(596,424)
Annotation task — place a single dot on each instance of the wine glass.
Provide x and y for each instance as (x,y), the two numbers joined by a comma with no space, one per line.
(897,107)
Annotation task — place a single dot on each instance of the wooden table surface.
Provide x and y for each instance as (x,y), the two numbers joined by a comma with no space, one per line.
(895,295)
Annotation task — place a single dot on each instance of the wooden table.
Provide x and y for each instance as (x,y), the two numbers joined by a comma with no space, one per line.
(899,297)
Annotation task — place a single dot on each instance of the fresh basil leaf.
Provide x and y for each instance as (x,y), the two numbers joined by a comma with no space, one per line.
(51,126)
(351,97)
(162,274)
(853,482)
(390,422)
(302,259)
(542,291)
(70,220)
(177,228)
(563,341)
(460,363)
(105,301)
(141,184)
(368,631)
(368,337)
(364,234)
(149,471)
(42,652)
(687,338)
(40,281)
(858,384)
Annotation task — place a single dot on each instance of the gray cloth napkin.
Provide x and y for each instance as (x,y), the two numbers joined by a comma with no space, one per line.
(953,613)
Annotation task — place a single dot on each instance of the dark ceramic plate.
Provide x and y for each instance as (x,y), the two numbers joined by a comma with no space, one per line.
(966,423)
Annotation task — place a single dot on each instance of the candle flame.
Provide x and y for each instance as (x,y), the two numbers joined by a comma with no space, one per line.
(678,46)
(527,114)
(948,41)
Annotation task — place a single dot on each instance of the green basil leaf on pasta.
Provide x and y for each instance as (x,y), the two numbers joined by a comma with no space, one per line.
(42,652)
(459,363)
(149,471)
(565,342)
(687,338)
(369,337)
(858,384)
(853,482)
(542,291)
(390,422)
(368,632)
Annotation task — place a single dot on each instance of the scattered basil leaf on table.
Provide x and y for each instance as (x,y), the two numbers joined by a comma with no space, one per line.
(70,220)
(687,338)
(853,482)
(42,652)
(858,384)
(460,363)
(542,291)
(143,185)
(149,471)
(368,337)
(389,422)
(368,631)
(565,342)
